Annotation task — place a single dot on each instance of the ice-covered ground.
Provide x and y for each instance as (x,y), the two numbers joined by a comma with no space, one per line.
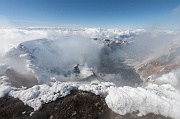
(61,59)
(163,99)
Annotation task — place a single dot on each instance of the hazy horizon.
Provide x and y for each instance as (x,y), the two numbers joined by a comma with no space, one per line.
(91,13)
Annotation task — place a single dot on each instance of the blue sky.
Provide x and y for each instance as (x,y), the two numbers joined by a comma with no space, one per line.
(90,13)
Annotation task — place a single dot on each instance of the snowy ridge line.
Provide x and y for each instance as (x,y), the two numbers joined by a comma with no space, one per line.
(38,95)
(37,55)
(162,100)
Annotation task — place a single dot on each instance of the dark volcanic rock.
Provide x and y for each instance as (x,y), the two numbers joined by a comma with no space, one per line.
(12,108)
(77,105)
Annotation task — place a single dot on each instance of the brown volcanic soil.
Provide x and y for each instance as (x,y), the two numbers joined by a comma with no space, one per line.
(77,105)
(162,64)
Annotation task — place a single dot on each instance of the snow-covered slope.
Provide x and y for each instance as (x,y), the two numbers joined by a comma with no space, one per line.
(40,56)
(44,58)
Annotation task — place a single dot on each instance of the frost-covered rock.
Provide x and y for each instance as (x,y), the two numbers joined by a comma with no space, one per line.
(41,94)
(38,95)
(162,100)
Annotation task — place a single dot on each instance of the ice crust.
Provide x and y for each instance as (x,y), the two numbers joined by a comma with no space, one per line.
(162,100)
(41,94)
